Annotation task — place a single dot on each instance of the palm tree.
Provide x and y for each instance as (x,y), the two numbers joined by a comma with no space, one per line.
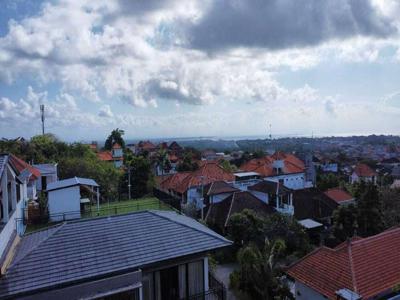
(258,269)
(163,160)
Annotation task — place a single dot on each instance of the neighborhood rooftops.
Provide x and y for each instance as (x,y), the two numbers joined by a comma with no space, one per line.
(77,252)
(21,165)
(71,182)
(366,266)
(363,170)
(338,195)
(265,166)
(219,187)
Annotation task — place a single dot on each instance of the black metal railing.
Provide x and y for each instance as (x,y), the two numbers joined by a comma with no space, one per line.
(216,291)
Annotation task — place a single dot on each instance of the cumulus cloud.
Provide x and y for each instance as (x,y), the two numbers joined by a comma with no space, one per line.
(277,24)
(105,111)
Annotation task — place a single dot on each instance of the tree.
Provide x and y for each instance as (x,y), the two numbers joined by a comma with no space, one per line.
(258,275)
(369,217)
(344,222)
(115,137)
(227,166)
(188,163)
(141,177)
(246,227)
(390,206)
(327,181)
(163,161)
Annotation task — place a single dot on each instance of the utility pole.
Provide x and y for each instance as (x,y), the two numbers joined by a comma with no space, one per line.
(202,197)
(42,116)
(129,182)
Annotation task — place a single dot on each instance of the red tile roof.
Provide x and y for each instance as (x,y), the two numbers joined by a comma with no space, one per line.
(21,165)
(182,181)
(338,195)
(367,266)
(146,145)
(264,166)
(363,170)
(105,156)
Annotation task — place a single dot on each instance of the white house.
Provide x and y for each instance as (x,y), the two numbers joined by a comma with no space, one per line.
(64,197)
(363,172)
(48,174)
(13,198)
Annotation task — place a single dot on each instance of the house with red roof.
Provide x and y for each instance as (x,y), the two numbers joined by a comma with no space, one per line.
(115,156)
(285,168)
(340,196)
(363,172)
(29,173)
(360,268)
(189,187)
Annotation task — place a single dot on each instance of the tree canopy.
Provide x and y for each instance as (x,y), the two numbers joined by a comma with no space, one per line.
(115,137)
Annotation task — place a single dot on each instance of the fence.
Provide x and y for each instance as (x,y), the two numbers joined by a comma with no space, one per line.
(216,291)
(114,208)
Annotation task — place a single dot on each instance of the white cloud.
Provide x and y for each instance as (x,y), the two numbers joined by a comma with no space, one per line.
(105,111)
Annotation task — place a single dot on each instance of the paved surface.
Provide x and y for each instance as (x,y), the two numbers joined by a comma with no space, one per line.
(222,273)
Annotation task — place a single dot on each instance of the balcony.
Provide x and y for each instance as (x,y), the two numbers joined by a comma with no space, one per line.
(286,209)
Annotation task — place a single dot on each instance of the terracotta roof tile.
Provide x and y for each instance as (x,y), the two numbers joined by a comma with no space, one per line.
(21,165)
(363,170)
(338,195)
(105,156)
(264,166)
(367,266)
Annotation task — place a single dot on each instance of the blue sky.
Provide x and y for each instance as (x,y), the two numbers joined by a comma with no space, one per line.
(199,68)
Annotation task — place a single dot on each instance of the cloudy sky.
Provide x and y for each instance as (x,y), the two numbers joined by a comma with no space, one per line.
(172,68)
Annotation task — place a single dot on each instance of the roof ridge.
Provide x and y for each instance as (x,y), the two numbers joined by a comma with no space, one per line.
(352,272)
(153,212)
(230,209)
(377,236)
(38,244)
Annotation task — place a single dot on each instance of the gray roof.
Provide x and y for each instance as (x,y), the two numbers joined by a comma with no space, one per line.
(70,182)
(78,251)
(46,168)
(3,162)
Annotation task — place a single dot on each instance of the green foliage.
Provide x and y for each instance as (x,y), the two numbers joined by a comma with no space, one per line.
(141,176)
(115,137)
(327,181)
(258,275)
(391,206)
(163,161)
(246,227)
(188,163)
(370,217)
(227,166)
(344,222)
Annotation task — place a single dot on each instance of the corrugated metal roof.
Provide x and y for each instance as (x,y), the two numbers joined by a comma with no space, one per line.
(46,168)
(80,250)
(3,162)
(70,182)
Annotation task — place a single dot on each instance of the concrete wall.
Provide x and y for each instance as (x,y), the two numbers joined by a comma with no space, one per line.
(64,201)
(293,181)
(303,292)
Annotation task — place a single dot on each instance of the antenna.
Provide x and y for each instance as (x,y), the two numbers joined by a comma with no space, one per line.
(42,116)
(270,131)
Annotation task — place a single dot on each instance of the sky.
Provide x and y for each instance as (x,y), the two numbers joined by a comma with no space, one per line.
(172,68)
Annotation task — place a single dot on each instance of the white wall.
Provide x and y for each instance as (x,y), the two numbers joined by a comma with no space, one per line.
(304,292)
(64,201)
(292,181)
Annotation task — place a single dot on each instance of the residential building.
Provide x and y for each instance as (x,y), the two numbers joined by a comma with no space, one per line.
(313,204)
(340,196)
(219,214)
(150,255)
(360,268)
(31,174)
(115,156)
(48,174)
(280,166)
(275,194)
(363,172)
(13,199)
(189,186)
(65,199)
(217,191)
